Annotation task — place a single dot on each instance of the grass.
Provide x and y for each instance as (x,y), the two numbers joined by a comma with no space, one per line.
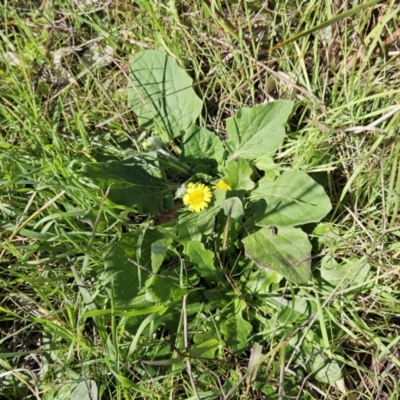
(59,112)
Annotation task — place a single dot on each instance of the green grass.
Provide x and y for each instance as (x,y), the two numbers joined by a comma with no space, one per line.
(60,327)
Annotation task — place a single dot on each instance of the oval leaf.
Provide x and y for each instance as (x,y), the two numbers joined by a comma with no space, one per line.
(161,94)
(287,252)
(258,131)
(202,147)
(292,199)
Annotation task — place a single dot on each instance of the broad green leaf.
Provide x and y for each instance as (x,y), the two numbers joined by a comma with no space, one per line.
(287,252)
(121,277)
(293,310)
(292,199)
(202,147)
(350,272)
(258,131)
(160,289)
(325,369)
(315,361)
(133,183)
(235,328)
(233,207)
(161,94)
(238,173)
(86,390)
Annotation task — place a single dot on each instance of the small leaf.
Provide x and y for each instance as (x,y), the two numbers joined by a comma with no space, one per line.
(258,131)
(161,94)
(206,218)
(200,147)
(86,390)
(204,338)
(133,183)
(259,282)
(207,347)
(233,207)
(292,199)
(238,173)
(203,260)
(287,252)
(158,251)
(235,328)
(312,357)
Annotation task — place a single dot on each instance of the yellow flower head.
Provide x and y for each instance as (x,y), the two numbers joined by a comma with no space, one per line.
(197,196)
(222,185)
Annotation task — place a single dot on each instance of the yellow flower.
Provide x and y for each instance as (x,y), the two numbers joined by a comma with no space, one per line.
(197,196)
(222,185)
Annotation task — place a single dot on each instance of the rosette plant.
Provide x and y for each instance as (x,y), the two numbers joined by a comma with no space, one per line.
(261,207)
(235,217)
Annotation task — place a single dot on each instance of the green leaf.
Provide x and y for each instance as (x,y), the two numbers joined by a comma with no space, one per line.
(258,131)
(292,199)
(129,384)
(326,370)
(259,282)
(353,271)
(287,252)
(85,390)
(233,207)
(158,251)
(267,165)
(205,348)
(313,359)
(202,147)
(203,260)
(161,94)
(123,278)
(204,338)
(188,229)
(160,289)
(235,329)
(206,218)
(148,238)
(133,182)
(238,173)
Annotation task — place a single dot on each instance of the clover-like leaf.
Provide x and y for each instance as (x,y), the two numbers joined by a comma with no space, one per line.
(258,131)
(292,199)
(161,94)
(288,252)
